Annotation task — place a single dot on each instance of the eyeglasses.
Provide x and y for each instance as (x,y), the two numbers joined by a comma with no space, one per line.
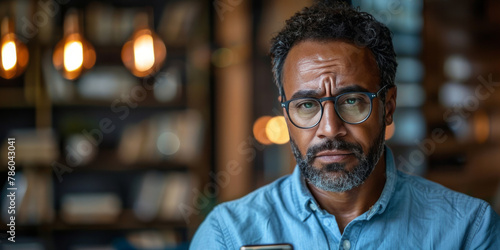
(351,107)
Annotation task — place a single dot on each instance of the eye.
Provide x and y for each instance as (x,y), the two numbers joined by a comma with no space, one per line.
(307,105)
(351,101)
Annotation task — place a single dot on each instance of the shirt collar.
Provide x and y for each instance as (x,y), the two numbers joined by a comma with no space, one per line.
(302,197)
(390,184)
(305,203)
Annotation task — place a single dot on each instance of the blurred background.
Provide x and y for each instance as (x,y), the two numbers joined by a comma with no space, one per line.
(130,120)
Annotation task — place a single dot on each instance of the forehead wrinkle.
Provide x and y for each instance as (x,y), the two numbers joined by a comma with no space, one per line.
(311,65)
(329,80)
(317,67)
(317,62)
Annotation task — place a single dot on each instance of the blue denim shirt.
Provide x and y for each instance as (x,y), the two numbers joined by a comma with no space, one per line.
(411,213)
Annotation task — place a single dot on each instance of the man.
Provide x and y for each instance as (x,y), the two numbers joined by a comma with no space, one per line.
(335,69)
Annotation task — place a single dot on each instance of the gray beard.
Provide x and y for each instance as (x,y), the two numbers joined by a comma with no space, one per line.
(344,180)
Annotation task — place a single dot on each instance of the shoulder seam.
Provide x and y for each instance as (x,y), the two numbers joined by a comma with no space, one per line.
(442,190)
(477,224)
(225,234)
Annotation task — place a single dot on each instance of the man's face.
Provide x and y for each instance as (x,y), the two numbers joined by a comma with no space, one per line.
(336,156)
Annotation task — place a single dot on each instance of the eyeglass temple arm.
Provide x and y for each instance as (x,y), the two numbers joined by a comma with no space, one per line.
(380,90)
(282,94)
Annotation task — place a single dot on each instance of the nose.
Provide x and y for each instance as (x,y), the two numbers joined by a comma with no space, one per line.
(330,126)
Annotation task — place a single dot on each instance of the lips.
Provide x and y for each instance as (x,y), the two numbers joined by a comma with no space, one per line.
(333,155)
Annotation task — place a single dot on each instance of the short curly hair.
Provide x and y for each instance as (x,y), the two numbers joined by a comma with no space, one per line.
(335,21)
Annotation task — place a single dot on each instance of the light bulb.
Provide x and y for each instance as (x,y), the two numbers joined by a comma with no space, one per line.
(144,53)
(13,53)
(144,56)
(9,55)
(73,55)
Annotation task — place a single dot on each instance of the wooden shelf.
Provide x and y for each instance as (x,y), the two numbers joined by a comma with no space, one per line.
(107,160)
(13,97)
(125,221)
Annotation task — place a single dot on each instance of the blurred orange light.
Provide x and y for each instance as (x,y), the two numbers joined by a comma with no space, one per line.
(259,130)
(73,55)
(276,130)
(144,56)
(389,131)
(14,54)
(144,53)
(481,126)
(9,55)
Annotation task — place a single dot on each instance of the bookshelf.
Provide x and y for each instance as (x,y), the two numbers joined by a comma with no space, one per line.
(117,153)
(461,47)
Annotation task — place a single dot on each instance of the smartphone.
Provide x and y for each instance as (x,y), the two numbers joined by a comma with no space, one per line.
(268,247)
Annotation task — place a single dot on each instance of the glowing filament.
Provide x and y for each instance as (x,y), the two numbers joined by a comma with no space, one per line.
(73,55)
(144,55)
(9,55)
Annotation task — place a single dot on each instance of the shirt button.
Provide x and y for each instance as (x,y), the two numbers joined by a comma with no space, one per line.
(346,244)
(313,206)
(326,222)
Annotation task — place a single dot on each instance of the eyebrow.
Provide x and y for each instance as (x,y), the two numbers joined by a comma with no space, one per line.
(316,92)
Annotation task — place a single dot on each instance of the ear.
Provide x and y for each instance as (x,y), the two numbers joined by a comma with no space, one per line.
(279,98)
(390,105)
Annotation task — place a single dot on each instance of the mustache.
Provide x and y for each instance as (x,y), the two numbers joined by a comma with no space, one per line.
(329,144)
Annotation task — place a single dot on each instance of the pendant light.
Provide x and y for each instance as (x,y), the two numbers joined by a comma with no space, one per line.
(14,54)
(144,53)
(73,55)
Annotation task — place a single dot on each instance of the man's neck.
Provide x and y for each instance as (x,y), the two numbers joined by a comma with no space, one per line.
(348,205)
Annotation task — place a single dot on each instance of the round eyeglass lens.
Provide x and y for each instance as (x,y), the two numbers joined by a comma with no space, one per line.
(353,107)
(304,112)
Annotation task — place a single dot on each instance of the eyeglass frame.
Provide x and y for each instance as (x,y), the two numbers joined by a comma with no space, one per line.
(370,95)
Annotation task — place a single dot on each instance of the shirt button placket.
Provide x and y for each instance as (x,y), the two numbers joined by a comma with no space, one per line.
(313,206)
(326,222)
(346,245)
